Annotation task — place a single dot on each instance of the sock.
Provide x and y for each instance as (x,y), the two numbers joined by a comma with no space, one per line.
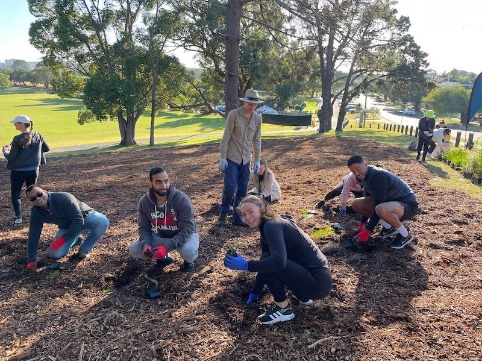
(384,224)
(402,230)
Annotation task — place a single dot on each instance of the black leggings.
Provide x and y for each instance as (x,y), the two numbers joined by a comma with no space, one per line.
(427,145)
(17,178)
(304,283)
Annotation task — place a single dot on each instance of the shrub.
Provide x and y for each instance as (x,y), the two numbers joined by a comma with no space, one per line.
(458,156)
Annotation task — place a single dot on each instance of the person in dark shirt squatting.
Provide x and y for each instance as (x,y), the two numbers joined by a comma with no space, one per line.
(391,202)
(71,215)
(289,259)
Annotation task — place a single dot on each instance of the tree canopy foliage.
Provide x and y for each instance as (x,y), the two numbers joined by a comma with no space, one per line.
(288,48)
(449,100)
(101,41)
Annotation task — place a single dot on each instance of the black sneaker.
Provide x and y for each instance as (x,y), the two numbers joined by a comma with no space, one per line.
(401,241)
(82,254)
(304,302)
(320,204)
(162,263)
(222,219)
(275,314)
(387,232)
(187,267)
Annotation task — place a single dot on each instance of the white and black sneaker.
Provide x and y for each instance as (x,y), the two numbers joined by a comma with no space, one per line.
(401,241)
(387,232)
(275,314)
(302,301)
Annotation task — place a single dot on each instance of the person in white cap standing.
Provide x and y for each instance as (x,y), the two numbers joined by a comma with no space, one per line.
(242,134)
(24,157)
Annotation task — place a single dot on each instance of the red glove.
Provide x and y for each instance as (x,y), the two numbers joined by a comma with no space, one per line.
(363,236)
(31,265)
(360,227)
(159,252)
(147,251)
(56,244)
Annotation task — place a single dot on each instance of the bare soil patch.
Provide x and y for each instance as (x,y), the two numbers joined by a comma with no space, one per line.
(420,303)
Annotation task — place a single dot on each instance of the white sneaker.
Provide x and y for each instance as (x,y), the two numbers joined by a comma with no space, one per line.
(303,302)
(430,156)
(18,220)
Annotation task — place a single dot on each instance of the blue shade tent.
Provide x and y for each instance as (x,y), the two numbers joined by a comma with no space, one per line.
(475,102)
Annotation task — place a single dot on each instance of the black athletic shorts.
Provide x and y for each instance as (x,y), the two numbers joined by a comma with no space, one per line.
(409,210)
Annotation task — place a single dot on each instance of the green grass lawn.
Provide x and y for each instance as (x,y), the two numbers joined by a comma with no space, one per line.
(56,119)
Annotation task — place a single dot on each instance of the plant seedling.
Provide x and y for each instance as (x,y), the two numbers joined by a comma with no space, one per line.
(153,291)
(232,249)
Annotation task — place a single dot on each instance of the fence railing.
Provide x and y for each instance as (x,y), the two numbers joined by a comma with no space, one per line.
(413,131)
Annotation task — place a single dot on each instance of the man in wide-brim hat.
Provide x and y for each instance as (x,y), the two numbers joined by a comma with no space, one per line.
(242,134)
(426,145)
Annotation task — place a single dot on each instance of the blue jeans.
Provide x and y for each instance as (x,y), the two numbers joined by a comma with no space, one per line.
(17,178)
(236,178)
(188,251)
(94,222)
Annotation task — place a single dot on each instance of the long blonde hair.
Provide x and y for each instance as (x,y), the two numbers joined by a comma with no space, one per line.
(266,212)
(27,140)
(267,174)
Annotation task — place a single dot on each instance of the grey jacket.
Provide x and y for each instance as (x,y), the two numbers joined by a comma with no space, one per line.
(175,219)
(64,210)
(28,157)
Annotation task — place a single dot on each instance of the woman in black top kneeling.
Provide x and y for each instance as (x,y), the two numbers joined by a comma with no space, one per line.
(289,258)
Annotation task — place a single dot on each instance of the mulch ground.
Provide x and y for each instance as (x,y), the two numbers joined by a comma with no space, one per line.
(420,303)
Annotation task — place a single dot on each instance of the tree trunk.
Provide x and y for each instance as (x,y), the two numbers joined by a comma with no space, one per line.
(153,101)
(233,34)
(126,129)
(326,66)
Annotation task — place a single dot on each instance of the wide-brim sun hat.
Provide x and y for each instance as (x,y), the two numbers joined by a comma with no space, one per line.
(21,119)
(430,114)
(251,96)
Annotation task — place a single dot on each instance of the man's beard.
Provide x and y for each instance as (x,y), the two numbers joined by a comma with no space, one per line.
(161,193)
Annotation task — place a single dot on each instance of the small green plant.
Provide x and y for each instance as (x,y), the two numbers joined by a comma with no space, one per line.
(322,233)
(54,275)
(307,213)
(232,249)
(458,156)
(477,162)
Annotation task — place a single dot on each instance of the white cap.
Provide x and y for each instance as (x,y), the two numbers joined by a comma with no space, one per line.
(21,119)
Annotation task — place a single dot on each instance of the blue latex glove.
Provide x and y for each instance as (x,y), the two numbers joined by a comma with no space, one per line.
(256,166)
(236,263)
(253,297)
(223,164)
(343,212)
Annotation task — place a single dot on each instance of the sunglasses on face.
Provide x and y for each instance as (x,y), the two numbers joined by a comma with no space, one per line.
(38,195)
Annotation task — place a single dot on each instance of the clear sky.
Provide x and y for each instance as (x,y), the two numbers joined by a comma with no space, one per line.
(444,29)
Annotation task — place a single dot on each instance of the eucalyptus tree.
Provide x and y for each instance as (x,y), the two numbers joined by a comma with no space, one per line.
(99,40)
(408,80)
(357,36)
(239,45)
